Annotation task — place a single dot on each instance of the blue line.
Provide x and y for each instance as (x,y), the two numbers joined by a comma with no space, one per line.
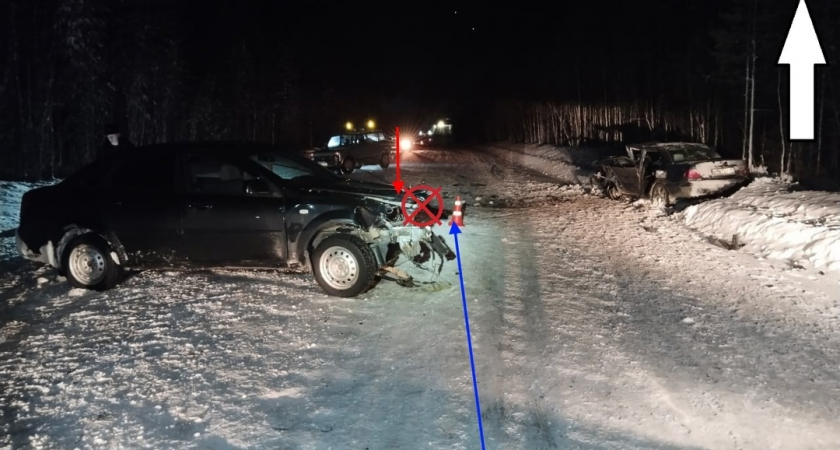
(469,341)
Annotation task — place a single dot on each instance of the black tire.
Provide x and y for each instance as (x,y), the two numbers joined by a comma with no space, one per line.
(385,160)
(90,251)
(348,165)
(612,191)
(356,265)
(659,196)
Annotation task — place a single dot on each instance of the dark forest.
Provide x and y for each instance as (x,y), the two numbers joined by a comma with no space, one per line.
(289,75)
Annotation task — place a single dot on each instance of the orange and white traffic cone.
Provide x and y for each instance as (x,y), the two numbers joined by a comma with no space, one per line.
(457,215)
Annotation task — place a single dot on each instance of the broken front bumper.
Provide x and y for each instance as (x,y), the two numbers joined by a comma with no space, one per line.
(419,245)
(46,253)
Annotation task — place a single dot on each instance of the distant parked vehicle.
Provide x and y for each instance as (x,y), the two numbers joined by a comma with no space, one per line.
(668,172)
(353,149)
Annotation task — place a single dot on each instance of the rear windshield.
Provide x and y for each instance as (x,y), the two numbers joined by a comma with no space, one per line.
(693,153)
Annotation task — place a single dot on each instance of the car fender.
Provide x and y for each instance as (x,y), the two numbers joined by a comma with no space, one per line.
(302,245)
(71,231)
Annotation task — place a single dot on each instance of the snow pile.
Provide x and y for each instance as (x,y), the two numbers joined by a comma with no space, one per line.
(775,221)
(10,196)
(566,164)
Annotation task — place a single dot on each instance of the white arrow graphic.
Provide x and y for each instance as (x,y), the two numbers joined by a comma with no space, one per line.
(802,51)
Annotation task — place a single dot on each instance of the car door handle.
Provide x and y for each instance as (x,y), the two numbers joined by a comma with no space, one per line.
(200,206)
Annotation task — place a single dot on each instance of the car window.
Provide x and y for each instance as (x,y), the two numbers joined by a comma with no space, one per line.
(693,153)
(334,141)
(348,139)
(209,174)
(375,137)
(144,173)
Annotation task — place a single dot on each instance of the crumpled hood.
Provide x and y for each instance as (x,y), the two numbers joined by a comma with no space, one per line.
(361,189)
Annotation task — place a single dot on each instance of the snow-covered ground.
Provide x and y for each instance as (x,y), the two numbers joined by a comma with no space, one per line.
(596,325)
(775,220)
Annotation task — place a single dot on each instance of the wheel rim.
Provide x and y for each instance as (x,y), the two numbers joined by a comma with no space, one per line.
(339,268)
(87,264)
(613,192)
(658,196)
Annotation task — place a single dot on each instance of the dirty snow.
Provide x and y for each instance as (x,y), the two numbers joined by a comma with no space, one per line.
(596,325)
(775,220)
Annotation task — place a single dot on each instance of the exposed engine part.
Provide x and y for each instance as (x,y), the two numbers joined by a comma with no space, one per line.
(403,279)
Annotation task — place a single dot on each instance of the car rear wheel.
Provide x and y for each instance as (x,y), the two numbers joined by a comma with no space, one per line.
(348,165)
(88,264)
(344,265)
(385,160)
(659,197)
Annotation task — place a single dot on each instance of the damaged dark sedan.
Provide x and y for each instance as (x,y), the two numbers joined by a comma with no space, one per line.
(220,205)
(667,172)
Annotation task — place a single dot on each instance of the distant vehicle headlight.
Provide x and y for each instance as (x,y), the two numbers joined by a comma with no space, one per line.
(406,144)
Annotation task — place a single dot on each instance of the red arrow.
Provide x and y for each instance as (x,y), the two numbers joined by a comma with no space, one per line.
(398,184)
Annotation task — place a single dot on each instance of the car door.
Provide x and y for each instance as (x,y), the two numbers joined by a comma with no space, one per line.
(625,171)
(140,203)
(632,177)
(224,224)
(370,148)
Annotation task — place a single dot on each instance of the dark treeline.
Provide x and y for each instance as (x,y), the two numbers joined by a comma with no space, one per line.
(70,67)
(724,88)
(173,71)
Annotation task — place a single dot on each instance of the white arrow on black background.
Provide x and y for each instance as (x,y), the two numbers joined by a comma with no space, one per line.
(802,51)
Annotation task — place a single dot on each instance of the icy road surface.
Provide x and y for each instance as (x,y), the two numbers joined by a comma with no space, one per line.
(597,325)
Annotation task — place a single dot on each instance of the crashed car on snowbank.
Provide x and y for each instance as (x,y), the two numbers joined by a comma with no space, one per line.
(220,205)
(668,172)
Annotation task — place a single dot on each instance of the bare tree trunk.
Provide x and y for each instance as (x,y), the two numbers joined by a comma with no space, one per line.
(750,152)
(782,170)
(820,127)
(746,109)
(836,121)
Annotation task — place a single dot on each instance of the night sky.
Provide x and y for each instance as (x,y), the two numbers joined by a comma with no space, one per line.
(455,48)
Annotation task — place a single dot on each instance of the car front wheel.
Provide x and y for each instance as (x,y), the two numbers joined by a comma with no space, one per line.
(348,165)
(88,264)
(385,160)
(344,265)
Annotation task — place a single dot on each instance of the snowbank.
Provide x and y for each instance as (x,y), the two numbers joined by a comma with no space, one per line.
(776,221)
(566,164)
(11,193)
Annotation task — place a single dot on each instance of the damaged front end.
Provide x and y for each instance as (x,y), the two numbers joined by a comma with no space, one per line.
(382,226)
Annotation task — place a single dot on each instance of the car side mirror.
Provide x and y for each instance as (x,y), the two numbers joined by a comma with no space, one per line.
(255,187)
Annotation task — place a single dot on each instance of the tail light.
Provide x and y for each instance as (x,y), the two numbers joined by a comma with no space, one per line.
(693,174)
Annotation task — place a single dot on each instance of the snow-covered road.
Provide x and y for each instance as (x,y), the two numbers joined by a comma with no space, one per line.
(596,325)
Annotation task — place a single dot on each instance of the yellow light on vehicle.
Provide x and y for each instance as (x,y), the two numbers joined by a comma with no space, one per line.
(440,124)
(371,124)
(349,126)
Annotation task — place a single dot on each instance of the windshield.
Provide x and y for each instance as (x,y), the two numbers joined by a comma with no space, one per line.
(294,169)
(693,153)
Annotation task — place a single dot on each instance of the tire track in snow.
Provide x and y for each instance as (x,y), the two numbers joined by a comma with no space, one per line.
(511,336)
